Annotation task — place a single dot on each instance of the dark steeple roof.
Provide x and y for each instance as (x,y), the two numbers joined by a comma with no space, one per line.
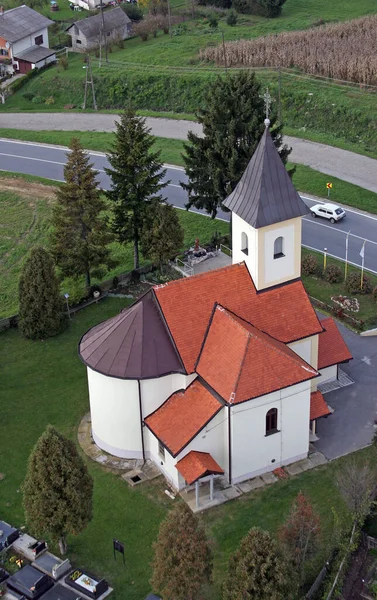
(132,345)
(265,194)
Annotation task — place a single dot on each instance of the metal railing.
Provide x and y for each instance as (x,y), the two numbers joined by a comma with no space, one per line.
(185,267)
(228,251)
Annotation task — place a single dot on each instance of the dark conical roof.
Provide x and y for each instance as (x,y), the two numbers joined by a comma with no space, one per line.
(132,345)
(265,194)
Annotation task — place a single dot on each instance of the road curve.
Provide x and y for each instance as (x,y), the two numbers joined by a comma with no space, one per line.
(48,161)
(349,166)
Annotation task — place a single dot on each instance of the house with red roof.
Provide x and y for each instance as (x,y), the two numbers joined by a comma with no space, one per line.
(217,374)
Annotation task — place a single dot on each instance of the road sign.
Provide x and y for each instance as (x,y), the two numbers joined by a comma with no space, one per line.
(329,186)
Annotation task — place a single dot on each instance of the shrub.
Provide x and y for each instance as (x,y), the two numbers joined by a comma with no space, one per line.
(115,281)
(63,62)
(375,293)
(75,288)
(94,288)
(28,95)
(37,100)
(50,100)
(309,264)
(333,274)
(353,284)
(242,6)
(132,11)
(145,28)
(213,21)
(232,18)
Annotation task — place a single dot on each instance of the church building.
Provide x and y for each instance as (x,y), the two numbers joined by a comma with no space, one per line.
(218,373)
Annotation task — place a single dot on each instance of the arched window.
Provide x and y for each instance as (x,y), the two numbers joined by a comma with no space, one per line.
(272,421)
(278,247)
(244,243)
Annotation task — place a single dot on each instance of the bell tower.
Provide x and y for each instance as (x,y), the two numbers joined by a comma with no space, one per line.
(266,218)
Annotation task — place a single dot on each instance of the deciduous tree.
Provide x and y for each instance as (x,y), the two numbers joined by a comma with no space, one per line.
(41,308)
(256,570)
(183,560)
(57,489)
(136,178)
(300,534)
(233,123)
(271,8)
(81,233)
(357,482)
(163,235)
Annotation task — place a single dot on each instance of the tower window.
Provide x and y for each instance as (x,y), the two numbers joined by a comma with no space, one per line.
(272,421)
(278,247)
(244,243)
(161,450)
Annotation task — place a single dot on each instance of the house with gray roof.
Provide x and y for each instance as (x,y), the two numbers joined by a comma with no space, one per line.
(89,33)
(24,40)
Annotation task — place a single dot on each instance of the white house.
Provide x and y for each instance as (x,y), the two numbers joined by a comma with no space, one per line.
(90,33)
(24,40)
(218,373)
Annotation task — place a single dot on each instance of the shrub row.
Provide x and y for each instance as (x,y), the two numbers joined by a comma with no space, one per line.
(334,274)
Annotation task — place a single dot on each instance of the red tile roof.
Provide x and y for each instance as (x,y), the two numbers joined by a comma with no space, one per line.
(195,465)
(332,349)
(182,416)
(283,312)
(240,362)
(318,406)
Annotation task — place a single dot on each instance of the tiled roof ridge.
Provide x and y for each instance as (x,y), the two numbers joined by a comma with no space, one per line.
(262,337)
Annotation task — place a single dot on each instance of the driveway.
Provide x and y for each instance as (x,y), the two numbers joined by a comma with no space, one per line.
(351,427)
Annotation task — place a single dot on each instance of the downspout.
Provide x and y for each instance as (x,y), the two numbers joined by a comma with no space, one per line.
(229,446)
(141,421)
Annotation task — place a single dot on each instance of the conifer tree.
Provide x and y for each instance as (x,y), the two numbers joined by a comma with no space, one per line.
(256,571)
(81,233)
(136,175)
(183,560)
(57,488)
(41,308)
(233,123)
(162,236)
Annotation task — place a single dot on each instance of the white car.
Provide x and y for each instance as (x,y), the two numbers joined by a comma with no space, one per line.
(328,211)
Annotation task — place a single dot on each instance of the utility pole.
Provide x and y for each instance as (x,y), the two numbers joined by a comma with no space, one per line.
(89,82)
(169,17)
(279,95)
(103,31)
(225,65)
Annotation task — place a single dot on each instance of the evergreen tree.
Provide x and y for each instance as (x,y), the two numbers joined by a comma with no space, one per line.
(136,175)
(256,571)
(183,559)
(162,236)
(81,234)
(233,123)
(271,8)
(57,489)
(41,308)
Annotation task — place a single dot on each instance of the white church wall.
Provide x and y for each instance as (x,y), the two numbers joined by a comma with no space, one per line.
(327,374)
(303,348)
(279,269)
(114,408)
(254,452)
(154,392)
(166,463)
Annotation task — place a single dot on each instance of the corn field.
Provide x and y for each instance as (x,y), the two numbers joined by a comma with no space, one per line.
(346,51)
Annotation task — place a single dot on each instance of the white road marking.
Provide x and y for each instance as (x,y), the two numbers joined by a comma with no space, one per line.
(366,360)
(315,222)
(347,208)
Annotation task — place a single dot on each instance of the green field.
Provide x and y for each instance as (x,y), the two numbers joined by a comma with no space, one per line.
(25,211)
(47,383)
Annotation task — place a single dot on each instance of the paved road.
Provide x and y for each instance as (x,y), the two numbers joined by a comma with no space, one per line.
(345,165)
(48,161)
(352,426)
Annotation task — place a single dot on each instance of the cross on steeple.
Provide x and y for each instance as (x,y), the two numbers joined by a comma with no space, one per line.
(268,100)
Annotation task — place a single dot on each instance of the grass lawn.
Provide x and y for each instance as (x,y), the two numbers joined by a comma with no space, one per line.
(45,382)
(25,212)
(322,290)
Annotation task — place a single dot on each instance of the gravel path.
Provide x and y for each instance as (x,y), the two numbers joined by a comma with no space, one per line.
(335,162)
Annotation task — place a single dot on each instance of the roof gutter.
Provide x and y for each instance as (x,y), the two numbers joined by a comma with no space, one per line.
(229,445)
(141,421)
